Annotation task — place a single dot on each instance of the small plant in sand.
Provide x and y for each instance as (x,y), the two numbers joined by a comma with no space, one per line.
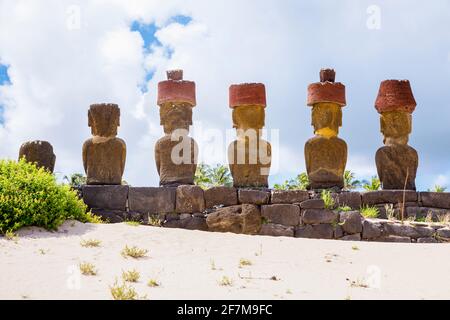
(355,248)
(327,199)
(288,291)
(226,282)
(244,263)
(154,221)
(90,243)
(11,236)
(370,212)
(359,284)
(87,269)
(390,211)
(429,217)
(131,276)
(133,223)
(43,251)
(134,252)
(123,292)
(152,283)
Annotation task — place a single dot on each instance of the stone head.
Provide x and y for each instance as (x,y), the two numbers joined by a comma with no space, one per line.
(104,119)
(326,119)
(396,127)
(175,116)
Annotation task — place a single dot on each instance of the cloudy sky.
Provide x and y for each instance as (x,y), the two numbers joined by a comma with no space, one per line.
(57,57)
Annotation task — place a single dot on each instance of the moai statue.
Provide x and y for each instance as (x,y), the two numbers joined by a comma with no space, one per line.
(249,156)
(326,154)
(104,154)
(176,152)
(40,153)
(397,162)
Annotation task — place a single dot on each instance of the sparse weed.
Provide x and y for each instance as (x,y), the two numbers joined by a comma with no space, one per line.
(226,282)
(123,292)
(327,199)
(244,263)
(134,252)
(130,276)
(90,243)
(133,223)
(390,211)
(344,209)
(153,283)
(87,269)
(369,212)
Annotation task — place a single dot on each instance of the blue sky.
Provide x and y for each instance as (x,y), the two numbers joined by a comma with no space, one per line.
(118,52)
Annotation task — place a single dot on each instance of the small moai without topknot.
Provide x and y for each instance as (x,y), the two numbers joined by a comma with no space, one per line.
(104,154)
(176,152)
(326,153)
(396,162)
(249,156)
(40,153)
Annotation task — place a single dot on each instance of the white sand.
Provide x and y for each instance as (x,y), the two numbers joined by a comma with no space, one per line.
(43,265)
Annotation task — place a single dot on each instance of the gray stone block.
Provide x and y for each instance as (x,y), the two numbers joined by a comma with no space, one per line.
(314,216)
(371,230)
(285,214)
(350,199)
(312,204)
(289,196)
(388,196)
(152,200)
(221,196)
(320,231)
(435,199)
(276,230)
(351,222)
(190,199)
(106,197)
(256,197)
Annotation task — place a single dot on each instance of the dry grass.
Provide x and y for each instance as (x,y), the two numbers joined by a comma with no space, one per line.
(131,276)
(134,252)
(226,282)
(133,223)
(87,269)
(244,263)
(153,283)
(90,243)
(123,292)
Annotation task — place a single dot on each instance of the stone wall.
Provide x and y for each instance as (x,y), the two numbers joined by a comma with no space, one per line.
(298,214)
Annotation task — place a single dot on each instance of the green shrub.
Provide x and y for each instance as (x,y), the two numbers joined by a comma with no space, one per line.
(370,212)
(31,197)
(327,199)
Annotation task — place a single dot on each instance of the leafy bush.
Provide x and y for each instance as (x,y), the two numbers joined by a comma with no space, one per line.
(370,212)
(373,185)
(328,199)
(207,176)
(299,183)
(31,197)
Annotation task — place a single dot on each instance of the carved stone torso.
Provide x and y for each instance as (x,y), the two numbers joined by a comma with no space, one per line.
(174,174)
(104,160)
(40,153)
(394,164)
(325,162)
(250,174)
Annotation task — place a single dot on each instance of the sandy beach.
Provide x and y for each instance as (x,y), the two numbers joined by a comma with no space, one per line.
(191,265)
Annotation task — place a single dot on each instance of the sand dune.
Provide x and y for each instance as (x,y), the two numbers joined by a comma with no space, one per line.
(190,265)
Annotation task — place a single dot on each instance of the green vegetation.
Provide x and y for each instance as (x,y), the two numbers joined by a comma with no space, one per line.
(207,176)
(226,282)
(373,185)
(76,180)
(87,269)
(123,292)
(133,252)
(153,283)
(327,199)
(131,276)
(438,188)
(370,212)
(350,182)
(244,263)
(90,243)
(299,183)
(344,209)
(31,197)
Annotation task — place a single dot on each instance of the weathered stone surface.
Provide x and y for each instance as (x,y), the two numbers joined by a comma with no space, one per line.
(351,222)
(152,200)
(435,199)
(221,196)
(444,233)
(350,199)
(106,197)
(393,239)
(326,154)
(289,197)
(314,216)
(256,197)
(40,153)
(190,199)
(421,212)
(371,230)
(394,164)
(403,230)
(285,214)
(338,232)
(111,216)
(249,156)
(320,231)
(427,240)
(176,152)
(312,204)
(352,237)
(104,155)
(245,219)
(191,223)
(387,196)
(276,230)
